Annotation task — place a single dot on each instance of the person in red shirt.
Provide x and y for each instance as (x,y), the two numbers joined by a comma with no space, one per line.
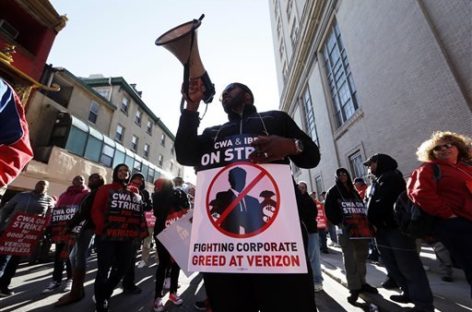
(448,197)
(66,207)
(360,187)
(117,213)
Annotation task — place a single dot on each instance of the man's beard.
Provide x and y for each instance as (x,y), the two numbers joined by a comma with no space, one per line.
(233,102)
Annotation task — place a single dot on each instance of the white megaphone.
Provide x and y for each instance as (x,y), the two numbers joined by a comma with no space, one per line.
(182,42)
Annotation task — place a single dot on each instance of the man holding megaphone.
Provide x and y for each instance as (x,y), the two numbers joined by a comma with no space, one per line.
(278,140)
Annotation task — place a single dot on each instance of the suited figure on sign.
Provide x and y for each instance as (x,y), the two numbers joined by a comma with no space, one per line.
(242,216)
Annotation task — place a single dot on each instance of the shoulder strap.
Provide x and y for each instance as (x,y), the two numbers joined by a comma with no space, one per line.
(436,172)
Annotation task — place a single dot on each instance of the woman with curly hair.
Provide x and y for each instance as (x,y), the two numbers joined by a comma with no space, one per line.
(448,197)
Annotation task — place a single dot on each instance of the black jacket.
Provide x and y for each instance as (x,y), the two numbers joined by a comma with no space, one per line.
(84,212)
(333,198)
(385,189)
(308,213)
(189,146)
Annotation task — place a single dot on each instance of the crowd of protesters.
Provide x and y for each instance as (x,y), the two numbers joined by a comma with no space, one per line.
(123,216)
(111,217)
(441,187)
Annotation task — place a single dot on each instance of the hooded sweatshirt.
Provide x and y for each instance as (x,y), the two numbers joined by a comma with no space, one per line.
(67,205)
(116,211)
(336,194)
(386,188)
(146,197)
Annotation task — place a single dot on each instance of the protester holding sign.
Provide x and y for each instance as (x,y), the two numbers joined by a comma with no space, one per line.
(137,185)
(266,138)
(82,226)
(345,208)
(321,223)
(397,250)
(36,202)
(66,207)
(118,217)
(168,208)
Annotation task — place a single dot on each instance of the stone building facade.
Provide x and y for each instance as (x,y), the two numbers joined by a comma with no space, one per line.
(365,77)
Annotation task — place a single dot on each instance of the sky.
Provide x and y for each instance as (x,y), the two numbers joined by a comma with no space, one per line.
(117,38)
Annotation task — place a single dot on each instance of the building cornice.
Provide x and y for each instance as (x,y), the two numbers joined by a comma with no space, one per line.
(44,13)
(120,81)
(303,52)
(80,83)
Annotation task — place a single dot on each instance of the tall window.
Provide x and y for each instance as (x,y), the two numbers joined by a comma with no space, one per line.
(357,167)
(294,33)
(107,155)
(93,114)
(137,166)
(146,150)
(160,160)
(134,143)
(125,105)
(149,127)
(163,139)
(150,175)
(138,117)
(120,131)
(318,185)
(310,116)
(279,27)
(341,83)
(171,166)
(285,71)
(282,50)
(289,9)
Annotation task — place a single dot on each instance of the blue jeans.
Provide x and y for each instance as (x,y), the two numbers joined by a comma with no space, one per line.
(8,266)
(403,264)
(314,257)
(78,255)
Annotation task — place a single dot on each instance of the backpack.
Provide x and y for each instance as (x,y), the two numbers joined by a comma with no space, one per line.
(412,220)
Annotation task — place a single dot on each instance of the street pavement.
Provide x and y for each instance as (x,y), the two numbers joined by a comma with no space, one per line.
(31,280)
(448,297)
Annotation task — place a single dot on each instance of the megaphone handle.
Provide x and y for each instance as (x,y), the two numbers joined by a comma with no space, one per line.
(186,78)
(182,103)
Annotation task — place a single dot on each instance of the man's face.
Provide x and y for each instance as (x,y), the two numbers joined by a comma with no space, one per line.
(373,167)
(94,180)
(138,181)
(123,173)
(302,187)
(233,99)
(358,185)
(41,187)
(342,177)
(78,181)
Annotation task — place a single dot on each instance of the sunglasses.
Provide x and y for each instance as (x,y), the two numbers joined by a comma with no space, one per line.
(227,90)
(437,148)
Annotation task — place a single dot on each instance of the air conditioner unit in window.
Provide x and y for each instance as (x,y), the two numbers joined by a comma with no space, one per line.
(8,29)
